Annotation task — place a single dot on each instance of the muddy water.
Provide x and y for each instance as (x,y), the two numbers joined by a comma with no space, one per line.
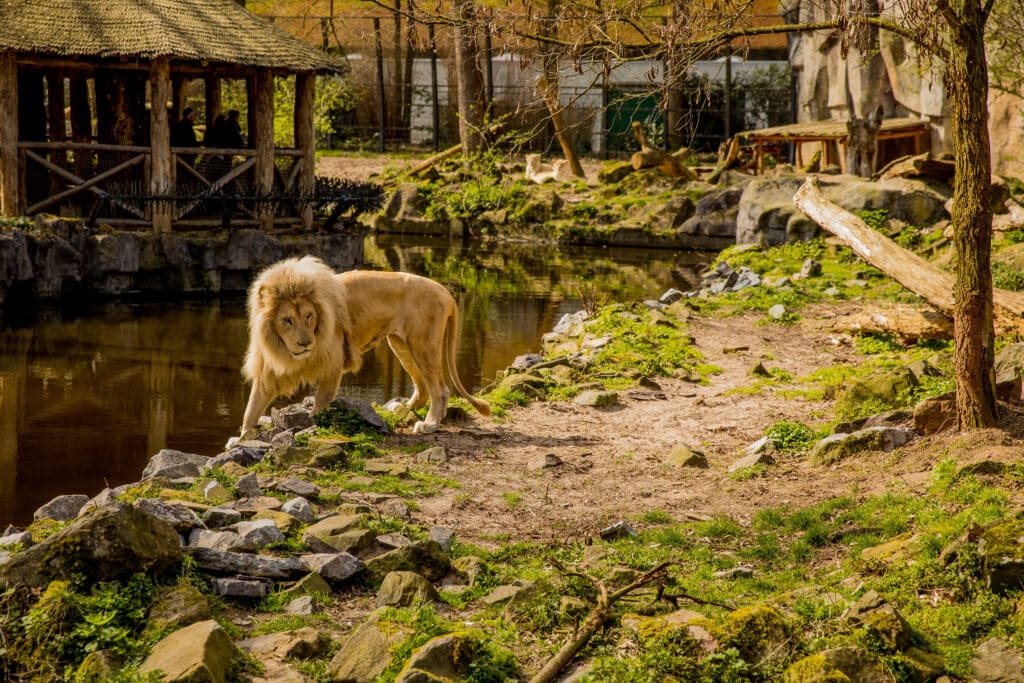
(88,392)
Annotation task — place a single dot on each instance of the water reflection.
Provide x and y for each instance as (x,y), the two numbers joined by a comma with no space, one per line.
(86,396)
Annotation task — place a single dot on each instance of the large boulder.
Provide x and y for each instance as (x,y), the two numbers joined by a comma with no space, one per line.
(838,447)
(1002,552)
(838,665)
(406,212)
(405,589)
(367,652)
(712,226)
(113,541)
(881,388)
(200,653)
(423,557)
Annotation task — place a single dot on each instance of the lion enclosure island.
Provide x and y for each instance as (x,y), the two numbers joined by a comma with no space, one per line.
(676,342)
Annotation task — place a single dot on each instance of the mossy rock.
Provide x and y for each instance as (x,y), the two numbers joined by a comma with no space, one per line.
(882,624)
(758,632)
(838,665)
(1002,554)
(179,607)
(367,652)
(452,656)
(423,557)
(882,388)
(98,667)
(614,172)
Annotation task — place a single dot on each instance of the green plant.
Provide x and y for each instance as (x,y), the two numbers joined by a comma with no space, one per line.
(876,219)
(791,436)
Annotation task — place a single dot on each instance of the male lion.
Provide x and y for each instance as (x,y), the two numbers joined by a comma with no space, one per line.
(310,325)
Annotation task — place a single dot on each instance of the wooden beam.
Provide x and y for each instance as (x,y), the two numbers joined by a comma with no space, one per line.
(55,121)
(162,169)
(9,182)
(72,178)
(212,99)
(305,139)
(179,95)
(263,101)
(80,185)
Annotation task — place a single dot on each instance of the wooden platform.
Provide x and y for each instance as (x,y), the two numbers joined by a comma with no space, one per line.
(896,137)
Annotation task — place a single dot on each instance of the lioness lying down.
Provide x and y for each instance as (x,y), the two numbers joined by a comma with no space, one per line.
(310,325)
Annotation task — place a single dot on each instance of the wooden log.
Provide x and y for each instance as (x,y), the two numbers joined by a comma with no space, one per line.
(305,139)
(211,99)
(732,153)
(55,122)
(161,164)
(82,184)
(9,162)
(930,282)
(75,180)
(263,102)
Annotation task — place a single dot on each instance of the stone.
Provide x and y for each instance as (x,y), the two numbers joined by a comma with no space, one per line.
(434,454)
(61,508)
(683,455)
(997,662)
(257,504)
(543,462)
(242,454)
(363,410)
(837,447)
(612,173)
(241,587)
(312,456)
(112,542)
(761,457)
(405,589)
(763,445)
(838,664)
(222,562)
(810,268)
(423,557)
(1001,548)
(881,620)
(178,516)
(777,312)
(597,399)
(670,296)
(393,540)
(104,497)
(218,517)
(444,537)
(342,532)
(527,360)
(470,567)
(734,573)
(393,469)
(1009,363)
(444,658)
(221,540)
(693,622)
(301,606)
(506,592)
(936,414)
(285,523)
(98,666)
(298,487)
(171,464)
(215,493)
(759,632)
(19,538)
(300,509)
(884,387)
(248,487)
(333,567)
(302,643)
(294,416)
(367,652)
(259,532)
(178,607)
(896,550)
(620,529)
(310,584)
(397,509)
(200,652)
(570,322)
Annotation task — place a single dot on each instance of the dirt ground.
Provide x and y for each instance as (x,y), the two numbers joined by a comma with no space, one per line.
(614,460)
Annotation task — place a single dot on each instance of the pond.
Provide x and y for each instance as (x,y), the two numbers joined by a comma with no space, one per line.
(89,391)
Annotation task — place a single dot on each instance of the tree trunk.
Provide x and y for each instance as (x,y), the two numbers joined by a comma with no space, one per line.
(305,139)
(551,92)
(9,181)
(967,83)
(470,78)
(162,171)
(262,102)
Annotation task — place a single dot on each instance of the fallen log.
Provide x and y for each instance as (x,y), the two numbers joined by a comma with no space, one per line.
(728,160)
(909,325)
(652,157)
(929,282)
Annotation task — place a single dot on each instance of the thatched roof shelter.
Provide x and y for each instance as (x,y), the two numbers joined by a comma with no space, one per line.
(133,58)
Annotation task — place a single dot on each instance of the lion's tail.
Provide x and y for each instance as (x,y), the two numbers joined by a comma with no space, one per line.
(451,333)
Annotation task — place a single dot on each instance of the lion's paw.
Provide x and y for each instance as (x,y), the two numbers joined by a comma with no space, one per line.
(232,442)
(425,427)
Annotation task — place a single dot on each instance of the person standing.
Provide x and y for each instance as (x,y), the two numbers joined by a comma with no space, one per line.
(184,135)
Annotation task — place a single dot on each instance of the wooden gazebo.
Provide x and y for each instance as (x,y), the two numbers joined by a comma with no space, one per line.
(89,91)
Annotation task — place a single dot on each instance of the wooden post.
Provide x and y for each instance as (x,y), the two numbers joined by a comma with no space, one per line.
(81,122)
(213,100)
(382,112)
(305,140)
(250,111)
(160,137)
(263,103)
(56,123)
(9,183)
(435,105)
(179,87)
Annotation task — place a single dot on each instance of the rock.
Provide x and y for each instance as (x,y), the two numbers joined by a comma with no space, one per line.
(363,410)
(259,532)
(763,445)
(542,462)
(241,587)
(248,487)
(444,658)
(810,268)
(777,312)
(246,453)
(221,562)
(997,662)
(470,567)
(177,515)
(98,666)
(333,567)
(61,508)
(312,456)
(405,589)
(434,454)
(693,623)
(392,469)
(620,529)
(104,497)
(218,517)
(257,504)
(1001,549)
(734,573)
(570,323)
(285,523)
(302,606)
(443,537)
(215,493)
(393,540)
(114,541)
(310,584)
(397,509)
(936,414)
(423,557)
(898,549)
(340,533)
(298,487)
(172,464)
(712,227)
(838,665)
(670,296)
(302,643)
(759,632)
(759,370)
(367,652)
(527,360)
(837,447)
(882,387)
(760,457)
(178,607)
(685,456)
(597,399)
(19,538)
(881,620)
(613,172)
(200,652)
(221,540)
(295,416)
(300,509)
(1009,363)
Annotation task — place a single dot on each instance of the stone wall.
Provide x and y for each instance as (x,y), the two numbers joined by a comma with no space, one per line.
(60,257)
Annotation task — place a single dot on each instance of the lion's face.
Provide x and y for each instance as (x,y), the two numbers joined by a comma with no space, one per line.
(295,323)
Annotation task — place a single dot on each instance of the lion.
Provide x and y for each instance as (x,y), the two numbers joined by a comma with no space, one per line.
(310,326)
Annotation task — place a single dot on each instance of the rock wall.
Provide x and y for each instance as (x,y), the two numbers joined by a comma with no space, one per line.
(59,257)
